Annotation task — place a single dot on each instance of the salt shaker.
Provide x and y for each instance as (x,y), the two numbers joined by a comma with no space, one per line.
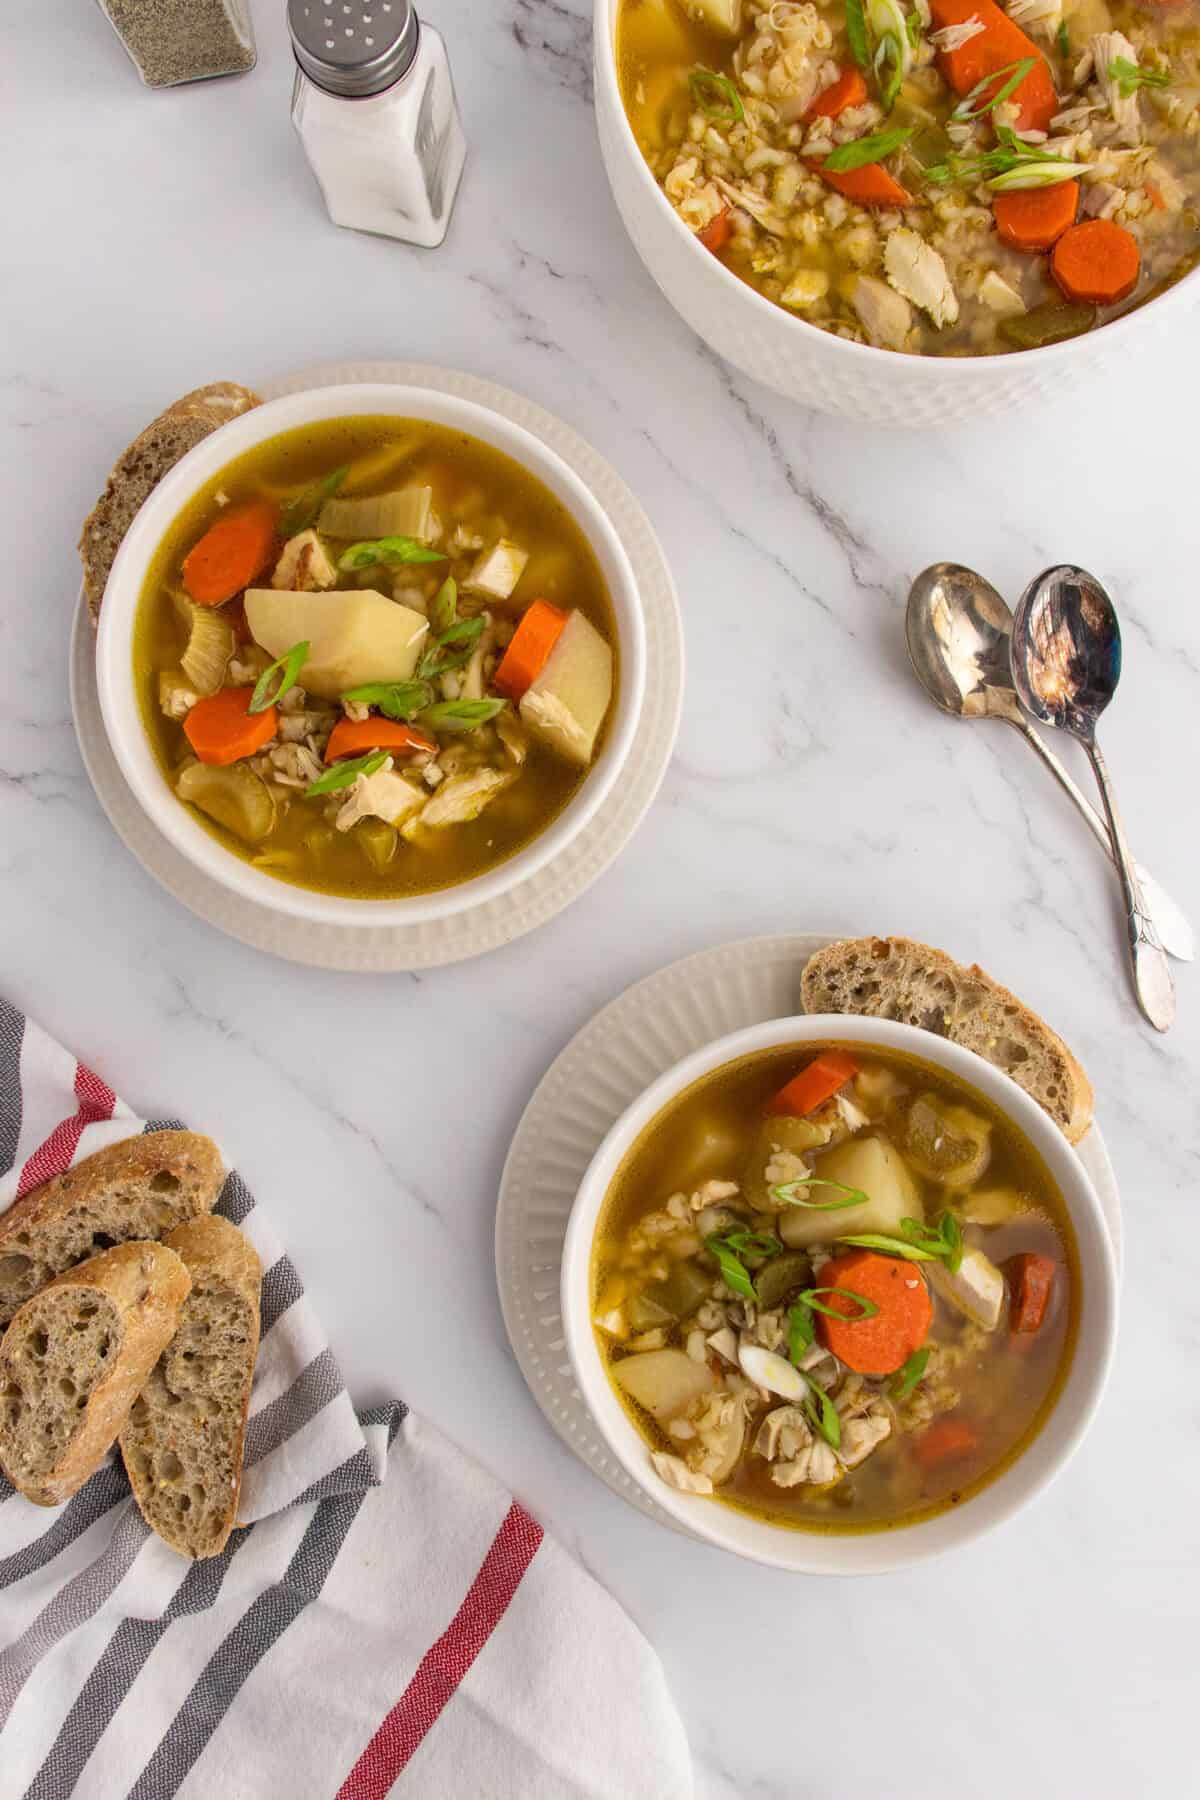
(374,107)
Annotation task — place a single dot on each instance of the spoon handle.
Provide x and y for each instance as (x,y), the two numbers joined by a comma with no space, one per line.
(1151,976)
(1175,934)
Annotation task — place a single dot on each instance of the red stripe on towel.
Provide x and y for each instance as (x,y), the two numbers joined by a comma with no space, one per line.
(443,1667)
(96,1102)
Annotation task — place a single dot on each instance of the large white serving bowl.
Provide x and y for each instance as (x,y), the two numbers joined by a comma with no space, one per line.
(866,1553)
(852,380)
(114,649)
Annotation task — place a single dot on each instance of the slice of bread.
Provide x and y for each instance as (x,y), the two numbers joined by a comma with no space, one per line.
(896,978)
(184,1439)
(142,1187)
(75,1359)
(142,466)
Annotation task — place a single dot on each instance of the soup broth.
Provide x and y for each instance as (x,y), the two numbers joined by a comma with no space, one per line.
(485,665)
(721,1249)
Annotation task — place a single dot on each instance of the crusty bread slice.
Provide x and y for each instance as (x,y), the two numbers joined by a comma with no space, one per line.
(184,1439)
(896,978)
(142,466)
(75,1359)
(142,1187)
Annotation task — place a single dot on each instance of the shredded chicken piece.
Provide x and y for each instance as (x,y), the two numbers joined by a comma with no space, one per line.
(886,316)
(953,37)
(383,795)
(303,566)
(916,270)
(293,765)
(461,797)
(1105,48)
(176,695)
(1042,18)
(995,292)
(866,1422)
(675,1472)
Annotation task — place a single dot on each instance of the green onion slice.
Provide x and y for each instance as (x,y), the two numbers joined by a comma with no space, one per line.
(305,509)
(461,715)
(287,667)
(891,1246)
(1129,77)
(753,1243)
(401,700)
(344,774)
(387,550)
(856,33)
(788,1195)
(733,1271)
(873,149)
(716,96)
(909,1373)
(802,1330)
(979,101)
(823,1416)
(443,657)
(812,1297)
(444,610)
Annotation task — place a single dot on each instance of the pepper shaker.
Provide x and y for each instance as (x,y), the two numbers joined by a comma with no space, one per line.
(374,107)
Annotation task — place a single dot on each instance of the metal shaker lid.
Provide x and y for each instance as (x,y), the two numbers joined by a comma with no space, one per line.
(353,47)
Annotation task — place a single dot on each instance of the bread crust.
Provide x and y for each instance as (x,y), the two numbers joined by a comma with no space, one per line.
(142,465)
(28,1230)
(899,978)
(147,1285)
(219,1258)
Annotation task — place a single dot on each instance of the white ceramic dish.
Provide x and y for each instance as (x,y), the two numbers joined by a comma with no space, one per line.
(870,1553)
(369,948)
(607,1064)
(114,663)
(852,380)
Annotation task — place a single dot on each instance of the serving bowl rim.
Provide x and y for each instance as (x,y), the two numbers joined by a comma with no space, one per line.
(1000,1499)
(945,370)
(117,689)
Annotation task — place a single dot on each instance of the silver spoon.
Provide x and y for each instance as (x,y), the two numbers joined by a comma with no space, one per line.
(1066,662)
(958,631)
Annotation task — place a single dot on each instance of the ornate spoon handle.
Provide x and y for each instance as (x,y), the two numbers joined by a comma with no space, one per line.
(1151,976)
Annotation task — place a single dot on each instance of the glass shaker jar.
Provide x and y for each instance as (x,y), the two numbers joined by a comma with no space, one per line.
(374,107)
(172,41)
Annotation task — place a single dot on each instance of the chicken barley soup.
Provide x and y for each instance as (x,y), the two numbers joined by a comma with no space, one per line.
(953,177)
(375,657)
(833,1289)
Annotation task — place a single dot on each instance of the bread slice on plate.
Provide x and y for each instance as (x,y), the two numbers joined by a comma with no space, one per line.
(75,1359)
(142,466)
(184,1439)
(896,978)
(142,1187)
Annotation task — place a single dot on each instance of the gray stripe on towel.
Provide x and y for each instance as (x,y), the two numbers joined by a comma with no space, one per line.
(309,1394)
(12,1037)
(129,1649)
(106,1487)
(281,1289)
(73,1605)
(235,1660)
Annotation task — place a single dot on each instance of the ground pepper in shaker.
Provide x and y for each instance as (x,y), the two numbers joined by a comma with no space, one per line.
(374,107)
(172,41)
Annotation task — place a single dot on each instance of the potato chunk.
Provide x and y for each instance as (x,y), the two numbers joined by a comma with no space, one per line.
(869,1163)
(665,1382)
(565,706)
(355,636)
(724,16)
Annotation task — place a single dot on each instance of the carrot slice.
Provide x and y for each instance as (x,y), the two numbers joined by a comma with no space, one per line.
(222,730)
(1031,1279)
(717,232)
(1097,261)
(947,1440)
(1035,218)
(1000,43)
(231,553)
(882,1343)
(869,186)
(353,737)
(815,1084)
(529,652)
(848,89)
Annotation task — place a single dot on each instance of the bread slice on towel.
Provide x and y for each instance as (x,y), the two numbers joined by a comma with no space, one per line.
(896,978)
(141,467)
(184,1439)
(142,1187)
(75,1359)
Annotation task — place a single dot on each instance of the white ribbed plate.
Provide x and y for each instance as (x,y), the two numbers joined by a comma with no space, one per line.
(378,948)
(648,1029)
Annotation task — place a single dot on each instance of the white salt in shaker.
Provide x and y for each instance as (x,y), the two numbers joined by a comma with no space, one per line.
(375,110)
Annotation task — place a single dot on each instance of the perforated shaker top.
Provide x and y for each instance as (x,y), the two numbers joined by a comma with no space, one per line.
(353,47)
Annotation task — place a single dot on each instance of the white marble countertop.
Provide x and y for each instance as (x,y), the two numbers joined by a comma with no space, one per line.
(156,241)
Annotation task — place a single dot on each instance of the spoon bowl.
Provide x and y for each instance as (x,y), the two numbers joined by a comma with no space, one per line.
(1067,657)
(958,628)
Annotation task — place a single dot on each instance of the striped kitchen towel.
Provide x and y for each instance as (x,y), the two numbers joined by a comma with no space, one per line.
(391,1619)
